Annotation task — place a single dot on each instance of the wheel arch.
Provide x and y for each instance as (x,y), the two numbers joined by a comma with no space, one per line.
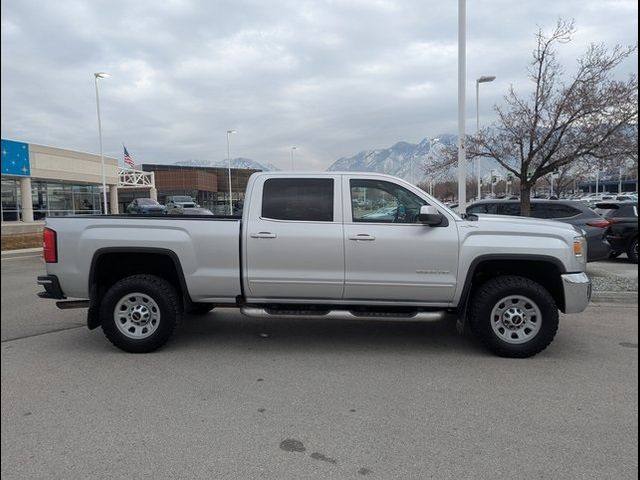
(543,269)
(111,264)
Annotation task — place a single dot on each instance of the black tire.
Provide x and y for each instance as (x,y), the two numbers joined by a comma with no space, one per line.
(632,251)
(613,254)
(199,308)
(515,330)
(156,304)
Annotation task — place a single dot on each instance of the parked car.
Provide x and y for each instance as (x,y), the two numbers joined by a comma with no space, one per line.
(622,228)
(567,211)
(146,206)
(190,211)
(177,202)
(627,197)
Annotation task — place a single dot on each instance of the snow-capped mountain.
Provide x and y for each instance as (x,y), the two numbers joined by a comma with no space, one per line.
(404,160)
(235,163)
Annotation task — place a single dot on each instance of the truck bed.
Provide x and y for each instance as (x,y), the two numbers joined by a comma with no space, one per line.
(208,249)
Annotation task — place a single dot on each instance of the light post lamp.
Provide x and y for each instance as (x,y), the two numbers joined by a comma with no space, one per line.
(229,132)
(97,76)
(482,79)
(292,149)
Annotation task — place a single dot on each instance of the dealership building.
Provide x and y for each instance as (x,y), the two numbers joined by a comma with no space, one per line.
(208,186)
(39,181)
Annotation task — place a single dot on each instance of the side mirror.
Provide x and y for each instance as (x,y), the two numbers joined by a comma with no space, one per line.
(429,215)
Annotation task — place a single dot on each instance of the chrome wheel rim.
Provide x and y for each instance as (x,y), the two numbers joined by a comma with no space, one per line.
(137,315)
(516,319)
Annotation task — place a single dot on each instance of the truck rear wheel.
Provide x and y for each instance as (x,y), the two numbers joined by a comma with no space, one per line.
(139,313)
(514,316)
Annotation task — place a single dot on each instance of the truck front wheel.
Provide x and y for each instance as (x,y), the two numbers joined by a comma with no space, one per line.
(139,313)
(514,316)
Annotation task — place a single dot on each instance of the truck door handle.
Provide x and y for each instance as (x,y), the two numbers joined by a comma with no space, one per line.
(263,235)
(362,236)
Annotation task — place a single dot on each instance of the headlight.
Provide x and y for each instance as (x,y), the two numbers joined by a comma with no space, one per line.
(579,246)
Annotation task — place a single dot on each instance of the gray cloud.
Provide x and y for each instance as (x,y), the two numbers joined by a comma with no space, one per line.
(331,77)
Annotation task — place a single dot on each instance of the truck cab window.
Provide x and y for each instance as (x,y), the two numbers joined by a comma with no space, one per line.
(301,199)
(377,201)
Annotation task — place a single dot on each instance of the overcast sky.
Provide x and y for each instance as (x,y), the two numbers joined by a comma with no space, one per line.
(332,77)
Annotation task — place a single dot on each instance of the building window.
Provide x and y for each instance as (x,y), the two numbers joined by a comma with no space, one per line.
(86,199)
(39,200)
(60,199)
(10,200)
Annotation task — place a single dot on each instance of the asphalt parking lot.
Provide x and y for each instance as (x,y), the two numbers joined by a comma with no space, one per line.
(232,397)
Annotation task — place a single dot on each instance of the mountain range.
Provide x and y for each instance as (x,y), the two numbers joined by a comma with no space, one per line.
(235,163)
(404,160)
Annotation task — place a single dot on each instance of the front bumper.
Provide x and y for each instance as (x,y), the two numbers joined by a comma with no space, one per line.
(577,292)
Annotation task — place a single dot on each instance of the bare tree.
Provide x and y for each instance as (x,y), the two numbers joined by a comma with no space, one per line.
(592,116)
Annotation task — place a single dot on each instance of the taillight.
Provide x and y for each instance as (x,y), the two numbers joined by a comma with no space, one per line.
(49,246)
(599,223)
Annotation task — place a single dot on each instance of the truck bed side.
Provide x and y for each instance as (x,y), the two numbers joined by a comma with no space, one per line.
(205,252)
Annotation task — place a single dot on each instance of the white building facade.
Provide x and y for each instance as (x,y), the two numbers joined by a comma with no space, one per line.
(40,181)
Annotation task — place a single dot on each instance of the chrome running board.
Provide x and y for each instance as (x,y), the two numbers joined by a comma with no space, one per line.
(257,312)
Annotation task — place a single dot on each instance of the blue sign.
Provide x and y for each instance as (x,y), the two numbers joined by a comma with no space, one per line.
(15,158)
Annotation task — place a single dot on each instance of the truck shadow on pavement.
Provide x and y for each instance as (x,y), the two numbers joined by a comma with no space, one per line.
(228,328)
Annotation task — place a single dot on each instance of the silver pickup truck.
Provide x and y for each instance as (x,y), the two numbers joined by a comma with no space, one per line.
(314,246)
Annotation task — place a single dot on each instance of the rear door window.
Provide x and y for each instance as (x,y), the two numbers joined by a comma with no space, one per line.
(540,210)
(626,211)
(482,208)
(511,208)
(301,199)
(560,210)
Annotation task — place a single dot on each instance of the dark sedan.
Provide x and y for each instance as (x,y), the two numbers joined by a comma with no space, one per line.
(146,206)
(622,228)
(574,213)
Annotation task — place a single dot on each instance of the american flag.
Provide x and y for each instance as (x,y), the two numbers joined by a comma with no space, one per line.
(127,158)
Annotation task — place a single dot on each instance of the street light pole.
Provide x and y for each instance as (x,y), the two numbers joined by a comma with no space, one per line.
(229,132)
(97,76)
(620,180)
(482,79)
(491,172)
(462,74)
(292,149)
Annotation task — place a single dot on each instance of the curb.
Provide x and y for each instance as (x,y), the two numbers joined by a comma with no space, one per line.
(627,298)
(24,252)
